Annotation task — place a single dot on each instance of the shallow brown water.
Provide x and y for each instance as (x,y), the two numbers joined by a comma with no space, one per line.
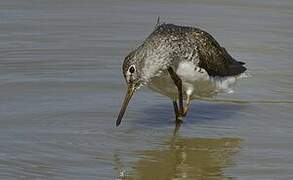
(61,87)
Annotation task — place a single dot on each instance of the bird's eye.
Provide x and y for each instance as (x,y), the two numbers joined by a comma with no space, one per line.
(131,69)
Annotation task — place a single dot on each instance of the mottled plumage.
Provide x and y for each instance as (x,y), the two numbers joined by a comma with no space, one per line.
(170,44)
(175,59)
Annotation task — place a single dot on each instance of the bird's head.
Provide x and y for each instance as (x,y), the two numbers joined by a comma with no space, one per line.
(132,71)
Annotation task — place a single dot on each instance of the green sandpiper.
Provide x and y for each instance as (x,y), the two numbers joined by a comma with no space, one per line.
(182,63)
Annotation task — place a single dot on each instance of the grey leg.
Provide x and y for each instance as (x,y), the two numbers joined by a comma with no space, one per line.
(176,109)
(177,113)
(178,83)
(187,103)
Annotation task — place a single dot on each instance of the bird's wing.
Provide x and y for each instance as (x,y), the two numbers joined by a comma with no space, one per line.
(215,59)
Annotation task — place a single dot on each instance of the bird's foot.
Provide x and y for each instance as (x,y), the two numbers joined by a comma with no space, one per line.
(180,115)
(179,119)
(185,110)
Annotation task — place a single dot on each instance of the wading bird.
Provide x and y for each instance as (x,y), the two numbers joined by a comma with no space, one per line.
(182,63)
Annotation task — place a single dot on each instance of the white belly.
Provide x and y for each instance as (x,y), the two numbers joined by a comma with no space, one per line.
(196,82)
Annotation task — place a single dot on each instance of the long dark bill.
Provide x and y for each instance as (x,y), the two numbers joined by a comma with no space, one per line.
(129,94)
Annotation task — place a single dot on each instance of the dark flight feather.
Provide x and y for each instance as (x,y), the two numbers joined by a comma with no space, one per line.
(212,57)
(216,60)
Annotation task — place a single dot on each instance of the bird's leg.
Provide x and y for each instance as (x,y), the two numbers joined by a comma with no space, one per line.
(178,83)
(176,110)
(187,103)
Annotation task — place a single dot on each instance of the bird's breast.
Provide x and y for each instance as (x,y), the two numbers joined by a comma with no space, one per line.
(164,85)
(194,80)
(190,72)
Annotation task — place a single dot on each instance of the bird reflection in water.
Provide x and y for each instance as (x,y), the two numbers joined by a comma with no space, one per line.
(184,158)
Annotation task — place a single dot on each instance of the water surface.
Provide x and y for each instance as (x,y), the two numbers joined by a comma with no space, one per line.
(61,86)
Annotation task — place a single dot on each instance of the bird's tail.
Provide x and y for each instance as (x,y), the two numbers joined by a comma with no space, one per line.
(158,23)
